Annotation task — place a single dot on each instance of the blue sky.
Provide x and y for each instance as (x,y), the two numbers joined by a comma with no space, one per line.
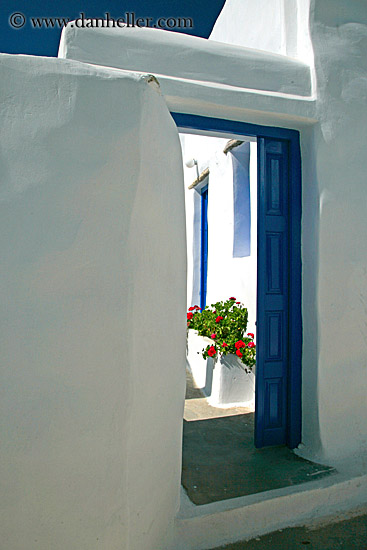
(45,41)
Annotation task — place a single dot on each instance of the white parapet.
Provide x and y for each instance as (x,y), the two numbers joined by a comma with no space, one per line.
(186,57)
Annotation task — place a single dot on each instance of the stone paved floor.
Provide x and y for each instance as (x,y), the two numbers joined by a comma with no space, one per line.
(347,534)
(198,408)
(220,460)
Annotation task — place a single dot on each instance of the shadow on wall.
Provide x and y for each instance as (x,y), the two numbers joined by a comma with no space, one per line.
(310,252)
(209,377)
(241,201)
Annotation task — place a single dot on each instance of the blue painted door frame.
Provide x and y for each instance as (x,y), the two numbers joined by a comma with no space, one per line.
(204,246)
(279,319)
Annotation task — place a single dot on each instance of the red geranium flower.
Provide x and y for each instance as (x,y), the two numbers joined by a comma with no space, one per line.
(212,351)
(238,302)
(224,345)
(219,319)
(251,335)
(240,344)
(190,316)
(197,307)
(213,336)
(251,345)
(192,308)
(232,298)
(239,353)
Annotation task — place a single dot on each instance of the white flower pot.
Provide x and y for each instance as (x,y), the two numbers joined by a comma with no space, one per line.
(196,363)
(223,380)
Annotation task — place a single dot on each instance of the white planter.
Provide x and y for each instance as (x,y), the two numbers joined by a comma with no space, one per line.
(195,361)
(224,380)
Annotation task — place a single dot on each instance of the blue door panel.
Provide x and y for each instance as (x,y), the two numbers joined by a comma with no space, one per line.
(273,280)
(273,395)
(274,262)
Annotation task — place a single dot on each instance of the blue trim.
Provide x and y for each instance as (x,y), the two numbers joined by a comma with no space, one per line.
(295,292)
(196,122)
(204,246)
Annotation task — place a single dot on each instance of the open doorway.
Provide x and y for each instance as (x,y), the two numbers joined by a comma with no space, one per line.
(239,449)
(221,218)
(220,179)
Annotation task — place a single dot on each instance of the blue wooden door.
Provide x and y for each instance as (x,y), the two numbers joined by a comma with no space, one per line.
(272,361)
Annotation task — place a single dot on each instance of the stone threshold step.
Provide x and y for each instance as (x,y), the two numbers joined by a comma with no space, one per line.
(213,525)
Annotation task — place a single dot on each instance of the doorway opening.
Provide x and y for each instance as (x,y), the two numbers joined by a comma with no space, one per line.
(221,220)
(241,447)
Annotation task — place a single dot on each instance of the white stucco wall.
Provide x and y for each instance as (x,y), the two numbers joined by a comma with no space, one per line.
(227,276)
(334,240)
(250,30)
(277,26)
(92,329)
